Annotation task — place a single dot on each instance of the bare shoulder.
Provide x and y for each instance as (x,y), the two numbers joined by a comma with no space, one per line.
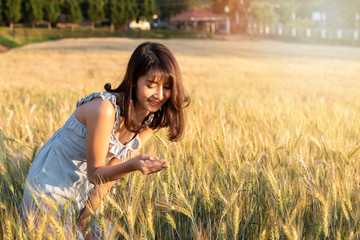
(93,109)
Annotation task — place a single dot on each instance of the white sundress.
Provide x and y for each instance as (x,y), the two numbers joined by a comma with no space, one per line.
(59,171)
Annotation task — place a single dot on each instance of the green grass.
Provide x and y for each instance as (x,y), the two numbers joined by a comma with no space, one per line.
(8,42)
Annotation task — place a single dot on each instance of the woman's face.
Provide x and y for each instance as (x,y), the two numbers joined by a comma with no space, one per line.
(151,93)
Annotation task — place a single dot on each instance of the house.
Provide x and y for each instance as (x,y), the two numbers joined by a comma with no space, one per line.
(202,19)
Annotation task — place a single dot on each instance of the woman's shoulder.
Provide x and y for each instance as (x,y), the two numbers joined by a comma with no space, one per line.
(103,104)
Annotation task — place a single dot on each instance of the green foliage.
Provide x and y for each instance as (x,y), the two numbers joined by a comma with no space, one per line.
(132,9)
(168,8)
(285,11)
(34,10)
(116,11)
(8,42)
(147,9)
(306,7)
(303,23)
(51,10)
(1,10)
(342,14)
(338,13)
(84,6)
(96,10)
(71,9)
(264,12)
(121,12)
(12,10)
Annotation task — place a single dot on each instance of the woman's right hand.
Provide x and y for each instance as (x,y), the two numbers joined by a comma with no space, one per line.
(148,164)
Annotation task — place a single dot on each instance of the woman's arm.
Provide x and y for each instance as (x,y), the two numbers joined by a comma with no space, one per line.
(98,116)
(99,131)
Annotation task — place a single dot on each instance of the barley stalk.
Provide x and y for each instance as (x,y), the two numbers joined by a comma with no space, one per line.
(263,235)
(41,227)
(9,232)
(20,232)
(287,232)
(277,141)
(111,201)
(122,231)
(30,225)
(236,221)
(170,220)
(59,231)
(326,218)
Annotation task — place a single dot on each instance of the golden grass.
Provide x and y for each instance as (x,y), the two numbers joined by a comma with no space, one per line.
(270,151)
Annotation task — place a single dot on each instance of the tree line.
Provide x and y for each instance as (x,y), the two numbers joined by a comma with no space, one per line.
(118,12)
(335,13)
(291,13)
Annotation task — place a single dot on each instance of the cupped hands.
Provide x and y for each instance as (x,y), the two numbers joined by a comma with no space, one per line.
(147,164)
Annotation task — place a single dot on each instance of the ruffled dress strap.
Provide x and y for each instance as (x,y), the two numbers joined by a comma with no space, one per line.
(104,96)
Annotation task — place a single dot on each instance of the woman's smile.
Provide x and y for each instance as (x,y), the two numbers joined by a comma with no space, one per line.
(155,103)
(152,93)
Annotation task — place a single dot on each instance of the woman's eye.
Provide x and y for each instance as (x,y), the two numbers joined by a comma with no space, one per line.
(150,86)
(167,87)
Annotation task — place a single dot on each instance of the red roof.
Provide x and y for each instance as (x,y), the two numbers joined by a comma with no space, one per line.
(197,14)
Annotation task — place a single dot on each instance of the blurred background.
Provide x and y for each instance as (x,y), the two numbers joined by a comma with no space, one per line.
(272,146)
(325,21)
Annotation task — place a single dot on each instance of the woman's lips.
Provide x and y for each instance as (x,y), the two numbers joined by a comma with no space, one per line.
(154,103)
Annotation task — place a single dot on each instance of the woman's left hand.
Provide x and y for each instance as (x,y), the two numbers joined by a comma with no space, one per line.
(148,164)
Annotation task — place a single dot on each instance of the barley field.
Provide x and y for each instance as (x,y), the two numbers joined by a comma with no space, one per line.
(271,149)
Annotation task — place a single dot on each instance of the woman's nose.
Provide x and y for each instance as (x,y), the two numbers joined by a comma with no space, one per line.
(159,94)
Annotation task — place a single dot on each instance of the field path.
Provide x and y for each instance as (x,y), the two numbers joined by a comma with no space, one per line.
(207,66)
(3,48)
(242,48)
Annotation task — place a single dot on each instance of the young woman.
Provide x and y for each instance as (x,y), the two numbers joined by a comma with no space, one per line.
(71,167)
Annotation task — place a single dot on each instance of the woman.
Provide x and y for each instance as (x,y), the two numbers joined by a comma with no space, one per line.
(71,167)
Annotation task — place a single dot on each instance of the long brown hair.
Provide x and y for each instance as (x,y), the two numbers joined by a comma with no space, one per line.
(157,60)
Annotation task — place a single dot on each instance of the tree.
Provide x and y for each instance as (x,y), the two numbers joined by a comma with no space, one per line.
(121,12)
(238,14)
(285,10)
(12,12)
(147,9)
(1,10)
(218,6)
(264,12)
(342,14)
(95,12)
(306,7)
(115,11)
(34,11)
(72,11)
(84,6)
(169,8)
(236,10)
(336,14)
(51,9)
(132,9)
